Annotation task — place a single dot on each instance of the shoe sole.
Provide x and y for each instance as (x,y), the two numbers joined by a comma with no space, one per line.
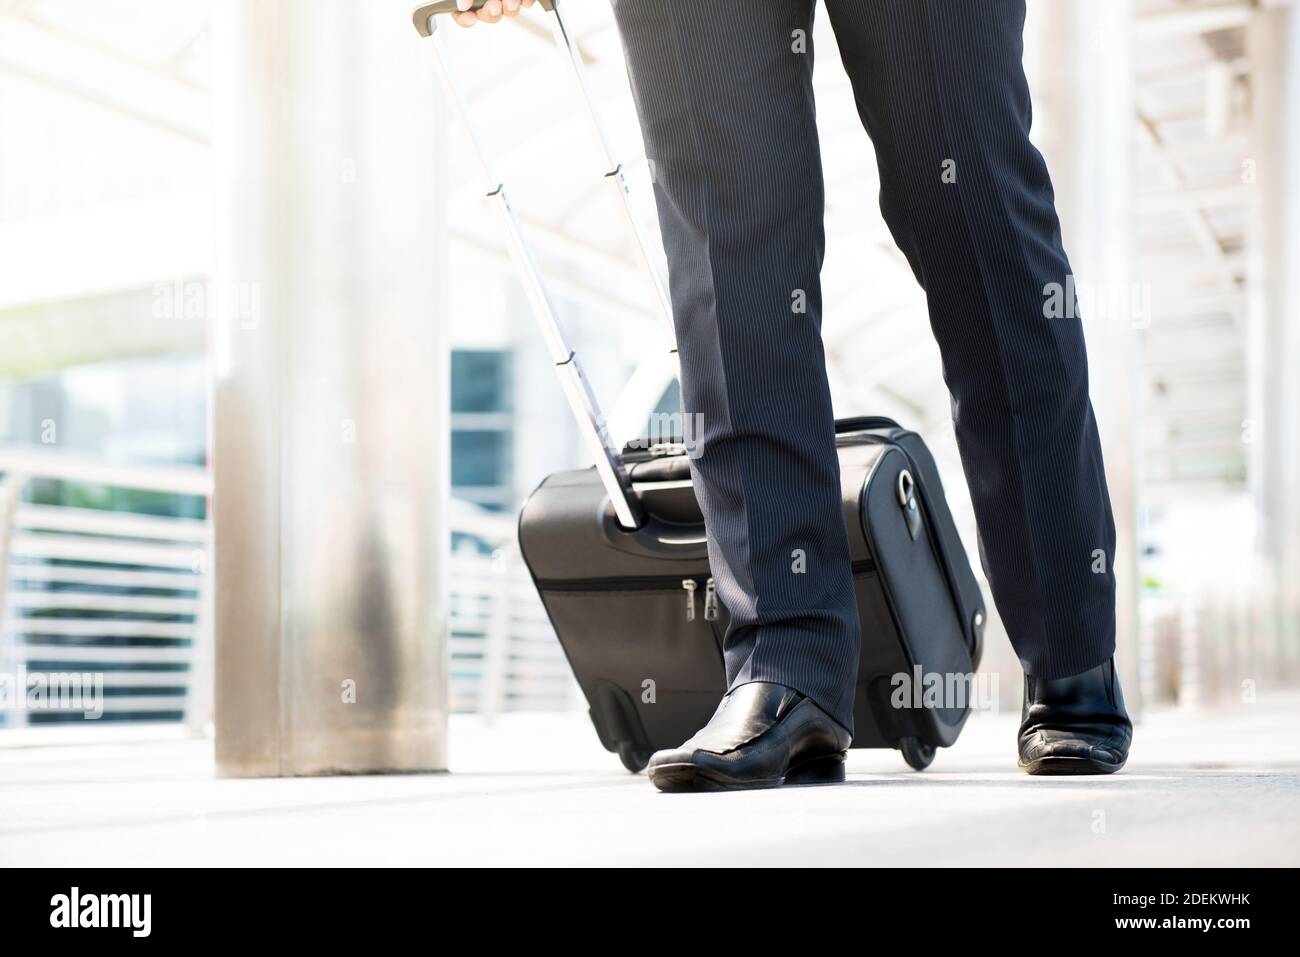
(679,778)
(1057,765)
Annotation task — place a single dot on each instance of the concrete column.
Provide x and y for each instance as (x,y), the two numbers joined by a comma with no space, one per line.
(1080,61)
(1274,331)
(330,422)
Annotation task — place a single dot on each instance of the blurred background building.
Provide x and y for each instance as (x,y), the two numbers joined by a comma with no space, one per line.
(1173,131)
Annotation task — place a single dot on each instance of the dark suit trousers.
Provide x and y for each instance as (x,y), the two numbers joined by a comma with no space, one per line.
(724,93)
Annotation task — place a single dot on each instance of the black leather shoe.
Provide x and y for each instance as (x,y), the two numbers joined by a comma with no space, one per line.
(763,735)
(1075,725)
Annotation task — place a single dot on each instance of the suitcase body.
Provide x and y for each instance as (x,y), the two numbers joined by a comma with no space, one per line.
(618,551)
(652,672)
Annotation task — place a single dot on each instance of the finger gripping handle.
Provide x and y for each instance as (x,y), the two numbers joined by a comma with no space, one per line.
(424,14)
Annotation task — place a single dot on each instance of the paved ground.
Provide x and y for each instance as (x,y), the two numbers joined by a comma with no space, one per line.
(1216,788)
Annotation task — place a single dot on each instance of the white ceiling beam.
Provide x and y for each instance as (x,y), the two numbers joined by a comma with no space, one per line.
(1182,311)
(1198,223)
(1191,19)
(1201,197)
(1159,489)
(1232,144)
(574,290)
(109,81)
(618,273)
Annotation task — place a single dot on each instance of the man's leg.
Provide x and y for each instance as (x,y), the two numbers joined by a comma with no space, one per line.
(942,93)
(941,90)
(724,94)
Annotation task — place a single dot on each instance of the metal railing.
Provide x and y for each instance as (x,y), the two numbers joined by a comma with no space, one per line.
(504,654)
(117,594)
(128,596)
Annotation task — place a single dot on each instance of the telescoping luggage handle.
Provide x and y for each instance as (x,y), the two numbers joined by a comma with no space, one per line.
(425,22)
(609,463)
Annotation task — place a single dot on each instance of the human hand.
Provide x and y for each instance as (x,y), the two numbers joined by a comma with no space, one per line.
(490,12)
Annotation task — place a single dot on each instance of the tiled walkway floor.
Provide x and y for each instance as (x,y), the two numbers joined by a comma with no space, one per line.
(1210,788)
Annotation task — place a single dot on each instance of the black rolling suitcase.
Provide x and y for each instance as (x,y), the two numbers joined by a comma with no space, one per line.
(618,554)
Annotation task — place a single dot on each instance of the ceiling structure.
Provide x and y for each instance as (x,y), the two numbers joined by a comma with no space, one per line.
(1193,87)
(1192,220)
(104,166)
(141,67)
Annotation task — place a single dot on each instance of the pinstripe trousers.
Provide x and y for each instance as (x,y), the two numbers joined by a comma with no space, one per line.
(724,94)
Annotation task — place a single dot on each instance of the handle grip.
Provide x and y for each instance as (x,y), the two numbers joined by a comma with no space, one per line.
(424,14)
(864,423)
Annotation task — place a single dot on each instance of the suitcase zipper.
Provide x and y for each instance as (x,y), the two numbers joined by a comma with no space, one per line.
(666,583)
(646,583)
(631,583)
(651,582)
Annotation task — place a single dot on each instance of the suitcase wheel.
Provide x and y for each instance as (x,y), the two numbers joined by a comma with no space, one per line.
(916,753)
(634,760)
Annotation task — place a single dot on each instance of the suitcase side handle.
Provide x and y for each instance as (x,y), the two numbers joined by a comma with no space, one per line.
(864,423)
(424,14)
